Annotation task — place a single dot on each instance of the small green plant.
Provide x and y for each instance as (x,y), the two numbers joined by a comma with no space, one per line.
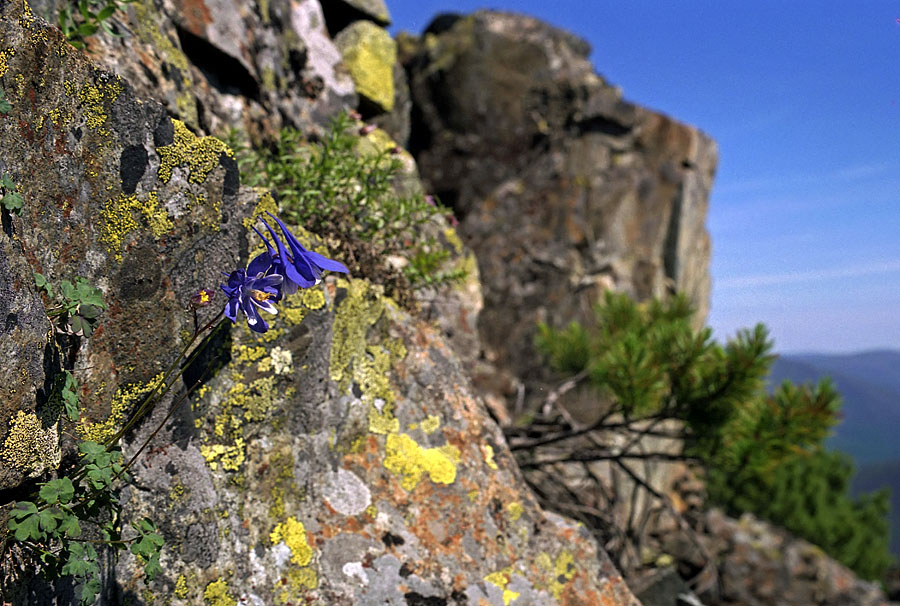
(86,17)
(12,199)
(5,105)
(52,526)
(78,305)
(350,198)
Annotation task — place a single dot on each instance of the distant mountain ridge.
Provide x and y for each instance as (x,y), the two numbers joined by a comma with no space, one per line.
(869,383)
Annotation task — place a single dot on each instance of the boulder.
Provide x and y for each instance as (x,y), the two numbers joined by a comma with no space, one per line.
(370,55)
(563,189)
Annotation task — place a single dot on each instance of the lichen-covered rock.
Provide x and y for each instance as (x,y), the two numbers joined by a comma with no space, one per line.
(218,64)
(344,459)
(758,564)
(29,437)
(562,188)
(114,191)
(370,55)
(340,458)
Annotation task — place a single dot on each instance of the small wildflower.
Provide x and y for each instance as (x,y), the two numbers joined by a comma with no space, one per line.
(202,298)
(249,293)
(453,220)
(429,199)
(368,128)
(301,268)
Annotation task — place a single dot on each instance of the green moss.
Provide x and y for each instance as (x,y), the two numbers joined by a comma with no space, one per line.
(30,446)
(201,154)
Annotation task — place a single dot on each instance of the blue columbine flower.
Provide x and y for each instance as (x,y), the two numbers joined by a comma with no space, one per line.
(301,268)
(251,291)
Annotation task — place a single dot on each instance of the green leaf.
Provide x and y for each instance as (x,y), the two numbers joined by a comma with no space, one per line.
(152,568)
(49,519)
(106,13)
(69,393)
(7,182)
(13,202)
(4,103)
(60,490)
(43,284)
(70,526)
(25,523)
(90,591)
(91,450)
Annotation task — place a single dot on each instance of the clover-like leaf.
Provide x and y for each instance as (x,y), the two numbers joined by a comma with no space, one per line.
(60,490)
(70,526)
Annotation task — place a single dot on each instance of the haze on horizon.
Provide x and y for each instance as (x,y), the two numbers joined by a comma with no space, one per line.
(804,103)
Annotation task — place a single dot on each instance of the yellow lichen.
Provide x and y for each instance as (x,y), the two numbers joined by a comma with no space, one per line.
(431,424)
(247,354)
(382,421)
(293,533)
(563,571)
(515,510)
(31,447)
(117,220)
(407,458)
(265,203)
(97,99)
(216,594)
(121,404)
(298,580)
(181,589)
(5,56)
(370,53)
(201,154)
(501,579)
(231,457)
(473,496)
(487,452)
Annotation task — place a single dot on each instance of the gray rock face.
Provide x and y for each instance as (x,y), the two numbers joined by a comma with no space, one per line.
(114,191)
(223,63)
(342,459)
(563,189)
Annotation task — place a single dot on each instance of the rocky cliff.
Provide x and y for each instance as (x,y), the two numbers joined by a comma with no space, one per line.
(345,456)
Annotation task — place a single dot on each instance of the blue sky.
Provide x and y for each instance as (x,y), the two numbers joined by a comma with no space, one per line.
(803,99)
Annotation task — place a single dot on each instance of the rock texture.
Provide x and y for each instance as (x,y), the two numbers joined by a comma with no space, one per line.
(119,193)
(342,459)
(218,64)
(562,188)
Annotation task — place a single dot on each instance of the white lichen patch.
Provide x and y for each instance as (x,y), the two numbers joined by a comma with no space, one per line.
(355,569)
(346,493)
(282,361)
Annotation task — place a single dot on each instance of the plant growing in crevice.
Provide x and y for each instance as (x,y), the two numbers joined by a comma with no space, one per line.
(84,18)
(352,200)
(77,306)
(11,199)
